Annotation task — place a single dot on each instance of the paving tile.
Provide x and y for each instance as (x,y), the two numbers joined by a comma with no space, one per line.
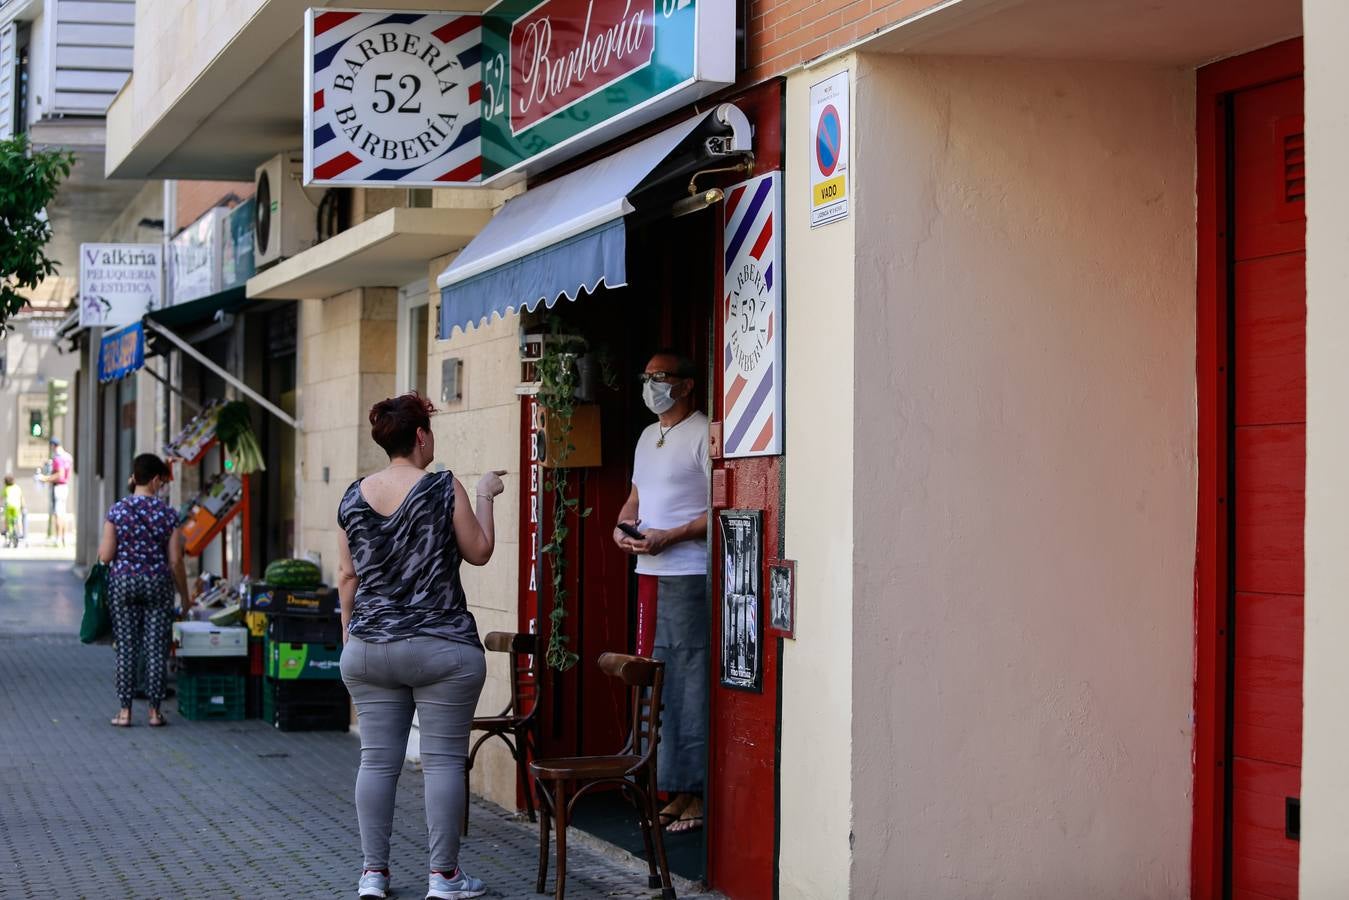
(201,809)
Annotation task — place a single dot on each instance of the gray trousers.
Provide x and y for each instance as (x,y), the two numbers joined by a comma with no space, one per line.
(440,680)
(682,637)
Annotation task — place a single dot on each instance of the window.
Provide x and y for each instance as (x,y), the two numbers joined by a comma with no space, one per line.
(414,321)
(22,39)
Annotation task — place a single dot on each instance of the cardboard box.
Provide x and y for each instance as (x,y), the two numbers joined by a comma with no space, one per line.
(291,662)
(292,602)
(205,639)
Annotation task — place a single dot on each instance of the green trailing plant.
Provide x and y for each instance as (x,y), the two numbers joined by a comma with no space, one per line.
(234,428)
(29,180)
(558,379)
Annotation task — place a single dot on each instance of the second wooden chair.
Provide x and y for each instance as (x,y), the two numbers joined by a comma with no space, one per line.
(517,723)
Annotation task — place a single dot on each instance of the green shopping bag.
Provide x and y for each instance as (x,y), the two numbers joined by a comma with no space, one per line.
(97,622)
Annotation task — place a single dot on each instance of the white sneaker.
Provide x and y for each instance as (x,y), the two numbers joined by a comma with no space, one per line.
(461,887)
(373,886)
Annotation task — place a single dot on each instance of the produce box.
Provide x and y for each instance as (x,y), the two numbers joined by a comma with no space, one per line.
(305,629)
(295,662)
(256,623)
(306,705)
(267,598)
(205,639)
(211,697)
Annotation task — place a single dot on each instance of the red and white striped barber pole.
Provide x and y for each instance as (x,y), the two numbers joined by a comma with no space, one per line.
(392,98)
(752,319)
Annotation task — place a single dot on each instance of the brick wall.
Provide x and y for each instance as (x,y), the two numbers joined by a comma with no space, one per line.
(195,197)
(785,33)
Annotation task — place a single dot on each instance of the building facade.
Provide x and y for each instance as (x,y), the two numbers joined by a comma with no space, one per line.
(1058,436)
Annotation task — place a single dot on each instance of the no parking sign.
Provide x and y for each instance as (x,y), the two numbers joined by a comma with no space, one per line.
(829,150)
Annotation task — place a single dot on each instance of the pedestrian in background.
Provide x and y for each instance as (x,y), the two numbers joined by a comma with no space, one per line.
(143,547)
(59,469)
(411,644)
(14,511)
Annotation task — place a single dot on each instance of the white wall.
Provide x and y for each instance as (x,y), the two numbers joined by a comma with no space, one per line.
(1023,635)
(816,788)
(1325,729)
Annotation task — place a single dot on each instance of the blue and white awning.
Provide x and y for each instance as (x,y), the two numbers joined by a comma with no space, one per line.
(562,238)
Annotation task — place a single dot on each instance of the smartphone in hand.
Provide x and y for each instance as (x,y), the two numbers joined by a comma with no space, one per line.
(631,532)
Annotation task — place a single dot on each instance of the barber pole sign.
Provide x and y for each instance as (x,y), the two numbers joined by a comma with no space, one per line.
(752,319)
(392,99)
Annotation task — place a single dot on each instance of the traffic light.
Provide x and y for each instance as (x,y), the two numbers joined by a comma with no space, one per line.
(58,398)
(35,423)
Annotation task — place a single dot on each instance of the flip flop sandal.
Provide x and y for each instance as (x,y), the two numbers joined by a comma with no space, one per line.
(690,823)
(118,721)
(158,720)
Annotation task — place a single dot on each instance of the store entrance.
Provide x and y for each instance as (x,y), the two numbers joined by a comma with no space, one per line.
(667,304)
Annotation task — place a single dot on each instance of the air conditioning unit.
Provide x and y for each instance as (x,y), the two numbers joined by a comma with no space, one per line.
(286,220)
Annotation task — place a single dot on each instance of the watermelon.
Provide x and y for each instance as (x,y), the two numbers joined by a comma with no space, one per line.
(293,573)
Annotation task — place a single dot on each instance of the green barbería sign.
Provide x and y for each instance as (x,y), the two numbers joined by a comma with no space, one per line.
(561,76)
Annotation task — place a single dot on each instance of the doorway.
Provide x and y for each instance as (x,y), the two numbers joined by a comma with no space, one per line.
(668,303)
(1253,427)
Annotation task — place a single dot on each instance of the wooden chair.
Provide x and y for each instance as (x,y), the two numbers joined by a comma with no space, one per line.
(517,723)
(561,782)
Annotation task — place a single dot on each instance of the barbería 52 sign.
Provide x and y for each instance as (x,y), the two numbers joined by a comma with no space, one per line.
(561,76)
(408,99)
(393,98)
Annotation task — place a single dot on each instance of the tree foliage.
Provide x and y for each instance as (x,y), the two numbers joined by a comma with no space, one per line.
(29,180)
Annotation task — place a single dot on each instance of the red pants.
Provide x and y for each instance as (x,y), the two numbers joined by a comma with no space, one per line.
(648,588)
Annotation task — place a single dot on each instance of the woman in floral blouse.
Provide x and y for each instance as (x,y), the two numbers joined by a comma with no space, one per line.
(144,548)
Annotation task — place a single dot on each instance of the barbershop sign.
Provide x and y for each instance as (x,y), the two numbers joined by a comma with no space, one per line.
(392,98)
(402,99)
(562,76)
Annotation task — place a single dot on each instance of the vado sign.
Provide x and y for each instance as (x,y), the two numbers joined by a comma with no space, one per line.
(561,76)
(393,98)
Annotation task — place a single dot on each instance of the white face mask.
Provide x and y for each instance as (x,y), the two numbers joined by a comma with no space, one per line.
(658,396)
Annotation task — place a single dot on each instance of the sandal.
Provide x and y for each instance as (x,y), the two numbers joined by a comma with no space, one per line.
(672,811)
(157,719)
(686,824)
(122,719)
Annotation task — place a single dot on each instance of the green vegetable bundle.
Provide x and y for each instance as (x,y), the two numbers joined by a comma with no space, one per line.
(234,428)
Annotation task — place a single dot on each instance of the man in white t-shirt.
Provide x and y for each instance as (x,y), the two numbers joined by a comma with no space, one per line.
(668,509)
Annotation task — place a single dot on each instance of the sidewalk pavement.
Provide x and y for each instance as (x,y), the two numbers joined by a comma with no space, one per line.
(202,809)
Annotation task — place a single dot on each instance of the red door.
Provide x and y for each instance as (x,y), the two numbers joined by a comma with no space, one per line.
(1268,453)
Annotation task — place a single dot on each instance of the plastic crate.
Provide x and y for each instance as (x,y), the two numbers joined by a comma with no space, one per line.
(287,661)
(305,629)
(254,688)
(257,657)
(211,697)
(306,705)
(212,665)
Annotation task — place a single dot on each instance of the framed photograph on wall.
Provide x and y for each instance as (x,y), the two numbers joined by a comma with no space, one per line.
(742,598)
(782,598)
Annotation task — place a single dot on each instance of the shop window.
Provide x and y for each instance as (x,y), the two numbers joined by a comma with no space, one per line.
(419,198)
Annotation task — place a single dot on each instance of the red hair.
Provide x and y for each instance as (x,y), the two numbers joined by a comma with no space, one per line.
(394,422)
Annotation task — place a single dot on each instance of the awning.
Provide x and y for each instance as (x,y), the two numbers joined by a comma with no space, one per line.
(568,236)
(201,311)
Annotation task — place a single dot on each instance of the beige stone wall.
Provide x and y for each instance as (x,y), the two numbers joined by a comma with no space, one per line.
(480,432)
(1023,595)
(347,345)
